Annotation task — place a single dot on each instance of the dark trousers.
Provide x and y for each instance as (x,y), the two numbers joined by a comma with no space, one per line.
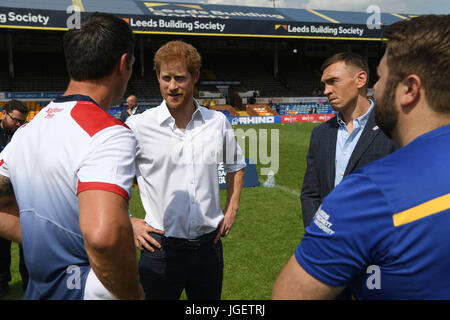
(193,265)
(5,264)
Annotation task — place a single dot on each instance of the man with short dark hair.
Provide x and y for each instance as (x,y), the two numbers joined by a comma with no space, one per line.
(384,231)
(346,142)
(14,114)
(349,140)
(70,172)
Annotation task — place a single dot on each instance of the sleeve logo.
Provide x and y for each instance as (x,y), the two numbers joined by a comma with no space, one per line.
(321,221)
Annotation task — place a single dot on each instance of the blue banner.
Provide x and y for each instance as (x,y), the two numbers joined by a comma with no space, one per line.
(250,175)
(32,95)
(254,120)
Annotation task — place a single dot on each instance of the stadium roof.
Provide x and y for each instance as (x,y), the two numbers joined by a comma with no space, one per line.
(156,17)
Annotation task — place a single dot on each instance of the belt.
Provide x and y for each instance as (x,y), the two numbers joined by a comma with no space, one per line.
(185,244)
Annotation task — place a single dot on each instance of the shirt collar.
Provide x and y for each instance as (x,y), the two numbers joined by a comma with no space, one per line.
(164,114)
(75,97)
(361,121)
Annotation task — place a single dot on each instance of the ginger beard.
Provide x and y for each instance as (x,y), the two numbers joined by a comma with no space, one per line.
(177,85)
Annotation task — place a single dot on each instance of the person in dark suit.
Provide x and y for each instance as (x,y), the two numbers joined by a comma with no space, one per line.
(132,108)
(346,142)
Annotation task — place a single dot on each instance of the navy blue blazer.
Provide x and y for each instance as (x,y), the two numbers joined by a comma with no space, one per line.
(318,181)
(124,114)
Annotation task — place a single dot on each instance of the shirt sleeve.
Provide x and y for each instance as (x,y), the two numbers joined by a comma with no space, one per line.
(109,165)
(234,159)
(350,231)
(3,162)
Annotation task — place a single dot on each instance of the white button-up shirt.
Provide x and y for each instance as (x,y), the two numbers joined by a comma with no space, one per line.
(177,172)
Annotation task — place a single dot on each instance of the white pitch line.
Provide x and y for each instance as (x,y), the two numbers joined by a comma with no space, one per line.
(288,190)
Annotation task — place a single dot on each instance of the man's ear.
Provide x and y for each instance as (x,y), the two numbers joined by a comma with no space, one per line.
(124,63)
(196,76)
(361,79)
(409,90)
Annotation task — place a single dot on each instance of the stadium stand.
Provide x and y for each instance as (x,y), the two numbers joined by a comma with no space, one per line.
(36,72)
(226,110)
(260,110)
(248,62)
(254,72)
(308,108)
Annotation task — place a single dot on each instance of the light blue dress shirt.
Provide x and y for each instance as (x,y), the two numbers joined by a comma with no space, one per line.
(345,143)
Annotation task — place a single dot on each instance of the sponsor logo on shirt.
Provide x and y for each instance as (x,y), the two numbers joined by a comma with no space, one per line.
(51,112)
(321,221)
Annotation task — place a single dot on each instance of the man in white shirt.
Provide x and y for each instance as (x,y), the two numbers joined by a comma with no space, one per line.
(70,172)
(179,145)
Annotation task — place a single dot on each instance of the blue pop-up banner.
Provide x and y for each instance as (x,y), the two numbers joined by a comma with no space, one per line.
(250,175)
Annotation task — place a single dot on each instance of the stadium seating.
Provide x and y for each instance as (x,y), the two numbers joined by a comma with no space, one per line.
(116,111)
(260,110)
(226,110)
(307,108)
(35,72)
(45,72)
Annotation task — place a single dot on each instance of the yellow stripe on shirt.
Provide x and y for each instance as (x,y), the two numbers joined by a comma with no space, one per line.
(422,210)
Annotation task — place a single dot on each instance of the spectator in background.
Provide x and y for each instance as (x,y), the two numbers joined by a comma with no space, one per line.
(179,146)
(132,108)
(384,230)
(14,114)
(346,142)
(71,171)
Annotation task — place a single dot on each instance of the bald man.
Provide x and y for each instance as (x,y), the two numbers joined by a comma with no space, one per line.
(132,108)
